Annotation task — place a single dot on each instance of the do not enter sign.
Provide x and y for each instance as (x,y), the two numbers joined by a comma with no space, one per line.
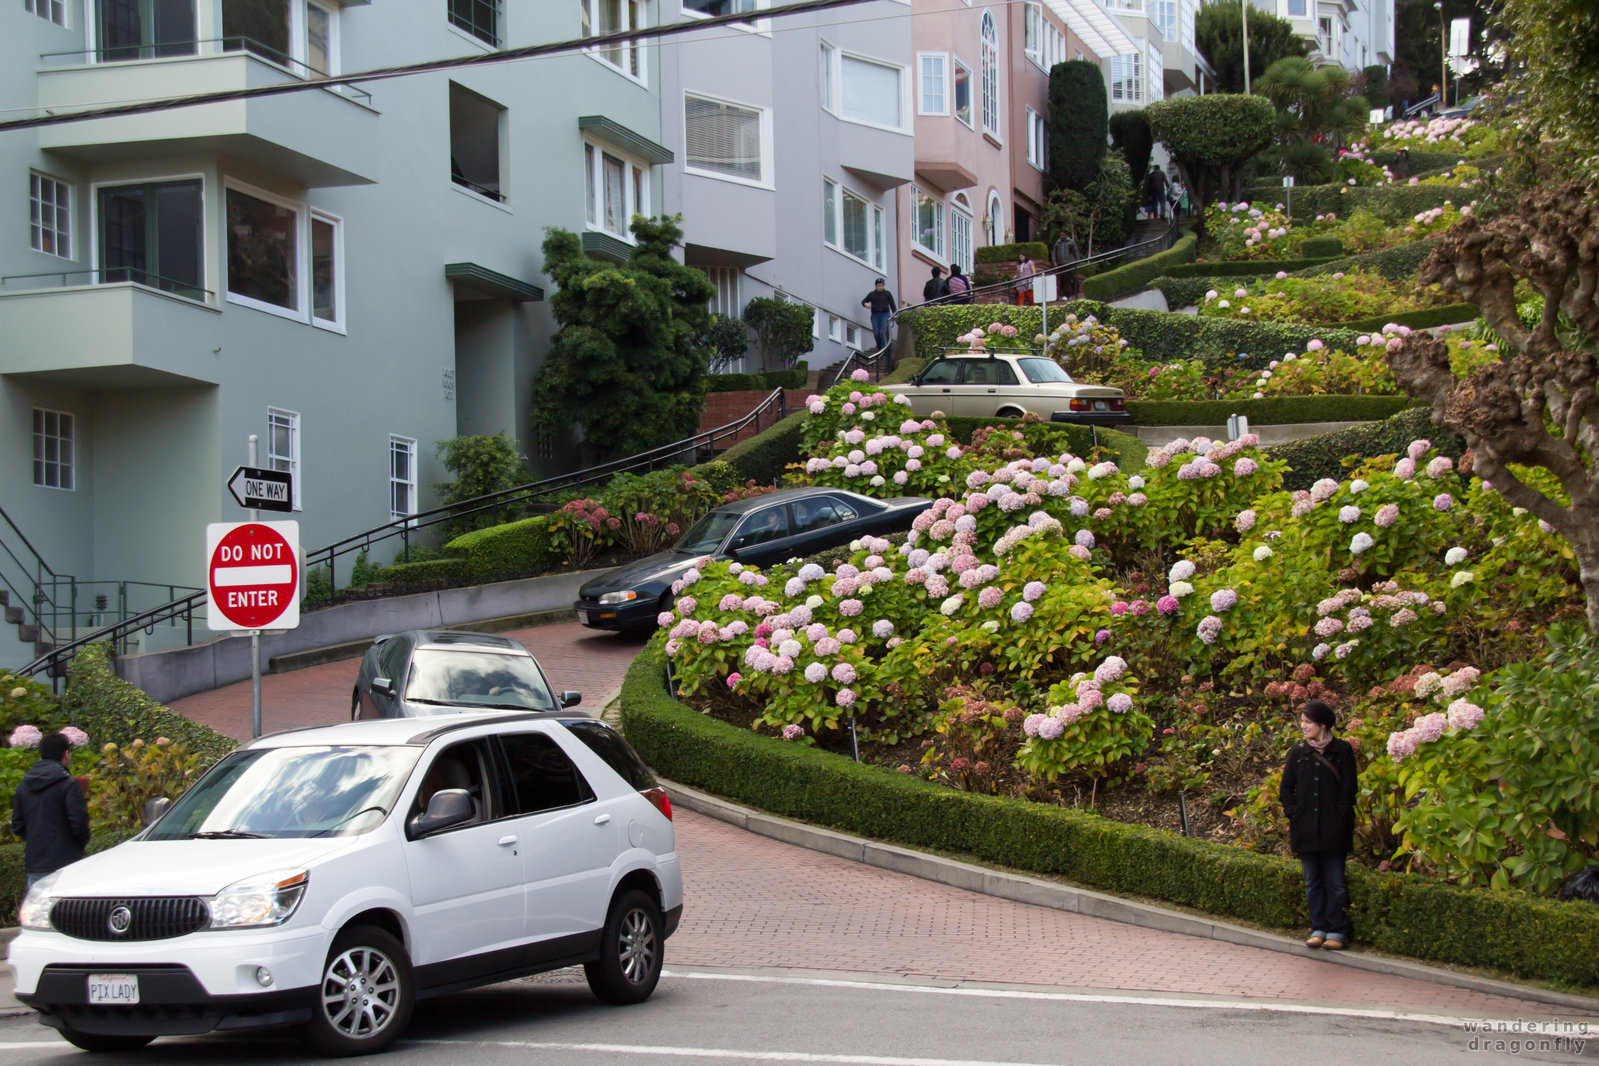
(253,575)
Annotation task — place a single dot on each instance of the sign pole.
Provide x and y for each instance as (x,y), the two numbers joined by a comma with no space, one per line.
(255,637)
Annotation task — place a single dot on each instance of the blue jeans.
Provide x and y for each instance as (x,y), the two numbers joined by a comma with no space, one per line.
(880,328)
(1327,892)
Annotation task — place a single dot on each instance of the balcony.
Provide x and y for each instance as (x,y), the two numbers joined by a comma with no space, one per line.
(114,335)
(317,137)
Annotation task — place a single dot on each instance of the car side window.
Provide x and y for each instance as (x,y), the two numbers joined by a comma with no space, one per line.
(1003,374)
(942,372)
(391,658)
(814,514)
(842,510)
(464,766)
(767,524)
(543,778)
(605,742)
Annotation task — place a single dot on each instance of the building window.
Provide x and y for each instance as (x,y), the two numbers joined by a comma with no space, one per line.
(835,329)
(824,75)
(480,18)
(144,29)
(1166,18)
(857,237)
(933,98)
(879,255)
(963,92)
(327,271)
(927,223)
(721,7)
(725,140)
(283,446)
(1054,46)
(871,92)
(1126,78)
(729,299)
(321,38)
(152,234)
(1033,32)
(263,252)
(618,189)
(1037,140)
(402,477)
(476,128)
(51,10)
(1297,9)
(990,46)
(616,16)
(996,219)
(960,232)
(299,35)
(830,212)
(50,215)
(52,449)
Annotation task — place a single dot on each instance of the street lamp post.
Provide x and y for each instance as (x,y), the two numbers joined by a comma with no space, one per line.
(1443,57)
(1243,6)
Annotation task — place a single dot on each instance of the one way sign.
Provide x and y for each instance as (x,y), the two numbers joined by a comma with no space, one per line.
(268,490)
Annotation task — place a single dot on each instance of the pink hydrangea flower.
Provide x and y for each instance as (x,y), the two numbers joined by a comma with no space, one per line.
(1387,515)
(1021,612)
(78,738)
(845,697)
(26,736)
(1442,502)
(793,732)
(844,674)
(1166,604)
(1223,600)
(1209,628)
(1440,466)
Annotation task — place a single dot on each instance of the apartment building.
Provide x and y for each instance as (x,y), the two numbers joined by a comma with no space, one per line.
(348,275)
(1353,34)
(791,142)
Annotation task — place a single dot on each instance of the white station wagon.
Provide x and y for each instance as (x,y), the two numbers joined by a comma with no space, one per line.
(1010,385)
(329,877)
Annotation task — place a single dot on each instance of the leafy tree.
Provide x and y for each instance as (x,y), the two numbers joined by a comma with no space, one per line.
(1418,47)
(1219,32)
(725,339)
(1558,41)
(1538,405)
(1129,134)
(1078,120)
(1095,216)
(1371,84)
(624,366)
(783,330)
(1316,111)
(1211,138)
(480,465)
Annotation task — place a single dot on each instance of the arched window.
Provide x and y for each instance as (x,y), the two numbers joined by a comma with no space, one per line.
(990,47)
(996,219)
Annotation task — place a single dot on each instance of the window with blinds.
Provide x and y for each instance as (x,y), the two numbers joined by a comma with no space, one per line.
(723,138)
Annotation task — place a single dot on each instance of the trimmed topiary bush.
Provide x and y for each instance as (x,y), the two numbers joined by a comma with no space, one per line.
(1426,318)
(1391,203)
(510,550)
(1329,455)
(112,711)
(1398,263)
(1321,247)
(1137,275)
(1078,123)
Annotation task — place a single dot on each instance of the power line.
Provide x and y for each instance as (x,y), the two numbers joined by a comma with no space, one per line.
(504,55)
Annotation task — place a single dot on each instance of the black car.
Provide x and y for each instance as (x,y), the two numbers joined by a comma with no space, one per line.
(439,671)
(759,531)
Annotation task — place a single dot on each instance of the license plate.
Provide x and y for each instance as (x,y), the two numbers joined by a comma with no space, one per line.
(116,989)
(583,618)
(1099,405)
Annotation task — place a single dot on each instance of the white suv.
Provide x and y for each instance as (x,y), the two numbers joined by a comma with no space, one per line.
(330,876)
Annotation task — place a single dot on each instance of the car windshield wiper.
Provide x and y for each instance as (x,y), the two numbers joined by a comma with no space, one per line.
(511,707)
(434,703)
(226,834)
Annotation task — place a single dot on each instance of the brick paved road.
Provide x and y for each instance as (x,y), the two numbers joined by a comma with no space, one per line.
(755,902)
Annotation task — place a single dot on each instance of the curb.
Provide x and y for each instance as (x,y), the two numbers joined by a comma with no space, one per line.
(1042,893)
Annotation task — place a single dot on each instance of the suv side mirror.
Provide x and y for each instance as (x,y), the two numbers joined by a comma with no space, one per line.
(571,699)
(383,686)
(153,810)
(447,807)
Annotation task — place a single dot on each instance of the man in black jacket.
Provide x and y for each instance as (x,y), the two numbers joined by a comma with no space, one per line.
(48,812)
(1318,796)
(935,286)
(881,303)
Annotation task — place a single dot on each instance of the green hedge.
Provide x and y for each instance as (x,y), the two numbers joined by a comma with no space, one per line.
(1271,411)
(1423,162)
(14,876)
(762,457)
(1007,253)
(1136,276)
(1163,336)
(1426,318)
(111,710)
(1321,247)
(771,379)
(1240,268)
(515,548)
(1314,458)
(1190,292)
(1398,263)
(1391,912)
(424,575)
(1391,203)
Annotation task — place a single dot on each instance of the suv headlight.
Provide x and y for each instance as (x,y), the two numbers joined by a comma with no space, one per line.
(269,899)
(611,599)
(35,910)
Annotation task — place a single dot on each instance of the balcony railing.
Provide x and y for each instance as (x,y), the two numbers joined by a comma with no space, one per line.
(216,46)
(62,279)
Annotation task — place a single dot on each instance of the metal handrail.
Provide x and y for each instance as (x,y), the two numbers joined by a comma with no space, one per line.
(128,53)
(189,605)
(131,276)
(872,361)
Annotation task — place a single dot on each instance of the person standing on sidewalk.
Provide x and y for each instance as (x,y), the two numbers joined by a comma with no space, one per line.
(1024,281)
(881,303)
(48,811)
(1318,795)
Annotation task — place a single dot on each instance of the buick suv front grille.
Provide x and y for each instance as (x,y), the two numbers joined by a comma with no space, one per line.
(136,918)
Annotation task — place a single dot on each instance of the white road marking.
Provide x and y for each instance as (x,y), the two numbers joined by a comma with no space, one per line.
(278,574)
(725,1053)
(1263,1006)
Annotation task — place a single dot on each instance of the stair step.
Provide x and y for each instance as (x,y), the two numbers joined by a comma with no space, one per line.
(13,615)
(26,631)
(5,597)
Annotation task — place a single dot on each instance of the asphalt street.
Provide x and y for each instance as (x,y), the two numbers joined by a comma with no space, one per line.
(786,1016)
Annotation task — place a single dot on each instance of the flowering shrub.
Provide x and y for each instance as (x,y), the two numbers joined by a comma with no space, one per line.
(1338,297)
(130,775)
(1439,134)
(1094,351)
(1322,371)
(1246,231)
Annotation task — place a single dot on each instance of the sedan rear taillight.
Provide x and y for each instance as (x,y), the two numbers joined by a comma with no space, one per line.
(1119,404)
(657,796)
(1082,405)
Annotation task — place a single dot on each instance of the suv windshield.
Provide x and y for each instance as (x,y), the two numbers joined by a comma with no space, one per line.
(1040,371)
(708,533)
(477,679)
(291,792)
